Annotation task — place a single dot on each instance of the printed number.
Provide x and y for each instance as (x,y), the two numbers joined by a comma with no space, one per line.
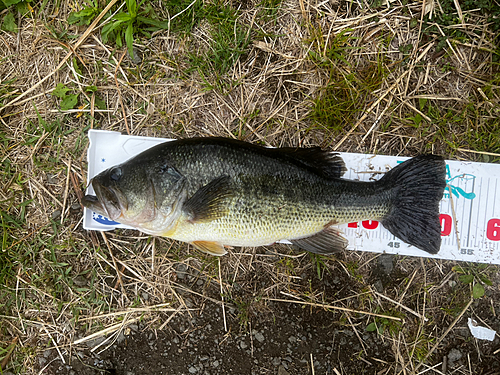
(493,230)
(467,251)
(446,222)
(367,224)
(370,224)
(394,245)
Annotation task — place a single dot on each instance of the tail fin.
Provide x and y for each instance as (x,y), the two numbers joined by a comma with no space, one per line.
(414,216)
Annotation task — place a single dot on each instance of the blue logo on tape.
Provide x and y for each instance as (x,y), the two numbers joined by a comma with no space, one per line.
(457,190)
(102,219)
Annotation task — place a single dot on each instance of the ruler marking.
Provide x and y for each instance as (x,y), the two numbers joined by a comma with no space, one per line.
(483,234)
(450,211)
(493,214)
(484,191)
(470,212)
(459,204)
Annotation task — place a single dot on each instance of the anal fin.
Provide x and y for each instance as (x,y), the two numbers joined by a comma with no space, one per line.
(328,241)
(209,247)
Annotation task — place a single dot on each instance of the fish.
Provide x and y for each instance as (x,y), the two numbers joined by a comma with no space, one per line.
(218,193)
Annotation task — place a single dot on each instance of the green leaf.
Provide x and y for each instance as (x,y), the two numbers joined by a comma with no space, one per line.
(149,21)
(466,279)
(129,39)
(60,91)
(122,17)
(485,280)
(69,102)
(372,327)
(82,17)
(101,104)
(91,88)
(478,290)
(422,102)
(76,67)
(417,119)
(8,3)
(132,7)
(106,30)
(118,40)
(9,23)
(73,18)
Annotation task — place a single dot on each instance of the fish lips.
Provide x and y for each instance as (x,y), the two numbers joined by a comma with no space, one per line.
(106,202)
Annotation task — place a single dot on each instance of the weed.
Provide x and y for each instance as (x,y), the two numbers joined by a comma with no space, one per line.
(128,23)
(287,265)
(139,18)
(243,311)
(229,40)
(269,9)
(353,269)
(342,98)
(185,14)
(422,346)
(475,276)
(441,28)
(319,264)
(383,325)
(21,7)
(6,88)
(86,15)
(68,101)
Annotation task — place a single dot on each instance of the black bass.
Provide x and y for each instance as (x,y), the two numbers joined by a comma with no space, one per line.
(215,193)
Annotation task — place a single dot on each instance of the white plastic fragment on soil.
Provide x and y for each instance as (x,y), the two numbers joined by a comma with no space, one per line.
(481,333)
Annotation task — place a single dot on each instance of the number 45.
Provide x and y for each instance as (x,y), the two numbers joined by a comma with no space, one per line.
(394,245)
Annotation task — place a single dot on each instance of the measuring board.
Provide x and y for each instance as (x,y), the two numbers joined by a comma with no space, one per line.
(470,208)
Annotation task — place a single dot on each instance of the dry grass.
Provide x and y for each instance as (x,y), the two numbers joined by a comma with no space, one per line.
(61,287)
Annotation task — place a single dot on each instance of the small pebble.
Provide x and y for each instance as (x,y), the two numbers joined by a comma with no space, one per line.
(75,207)
(52,179)
(259,337)
(56,214)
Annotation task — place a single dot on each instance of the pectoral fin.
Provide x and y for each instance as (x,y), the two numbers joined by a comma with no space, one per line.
(208,203)
(212,248)
(328,241)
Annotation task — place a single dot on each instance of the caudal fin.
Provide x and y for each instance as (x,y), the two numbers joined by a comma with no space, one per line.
(414,216)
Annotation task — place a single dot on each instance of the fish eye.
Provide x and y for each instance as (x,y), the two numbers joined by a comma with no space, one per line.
(115,174)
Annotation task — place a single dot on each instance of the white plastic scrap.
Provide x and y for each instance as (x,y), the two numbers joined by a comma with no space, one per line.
(481,333)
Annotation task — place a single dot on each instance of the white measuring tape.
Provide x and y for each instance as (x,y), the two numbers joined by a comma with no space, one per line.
(470,211)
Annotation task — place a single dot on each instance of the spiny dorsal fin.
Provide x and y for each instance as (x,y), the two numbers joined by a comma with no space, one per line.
(325,163)
(207,203)
(328,241)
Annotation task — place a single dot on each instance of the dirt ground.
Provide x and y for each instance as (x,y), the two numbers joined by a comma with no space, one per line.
(269,337)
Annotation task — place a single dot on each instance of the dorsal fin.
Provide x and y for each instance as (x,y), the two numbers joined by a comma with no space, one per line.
(325,163)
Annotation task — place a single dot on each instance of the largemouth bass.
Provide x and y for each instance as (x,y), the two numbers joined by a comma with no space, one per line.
(216,193)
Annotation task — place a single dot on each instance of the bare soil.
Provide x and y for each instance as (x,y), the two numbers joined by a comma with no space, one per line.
(269,337)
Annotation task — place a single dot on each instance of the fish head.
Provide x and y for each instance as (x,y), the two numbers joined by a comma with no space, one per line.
(143,194)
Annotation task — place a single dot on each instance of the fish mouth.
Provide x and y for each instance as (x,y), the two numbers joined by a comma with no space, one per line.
(106,202)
